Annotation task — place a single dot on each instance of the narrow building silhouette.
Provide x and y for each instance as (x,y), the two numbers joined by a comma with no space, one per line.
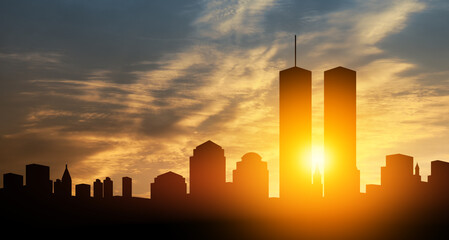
(38,181)
(107,188)
(57,188)
(98,189)
(66,183)
(127,187)
(341,176)
(295,133)
(207,172)
(250,178)
(168,188)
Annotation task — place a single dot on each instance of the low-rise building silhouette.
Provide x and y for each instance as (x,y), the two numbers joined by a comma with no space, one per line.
(169,187)
(207,172)
(12,183)
(38,181)
(82,191)
(398,180)
(397,175)
(250,178)
(438,181)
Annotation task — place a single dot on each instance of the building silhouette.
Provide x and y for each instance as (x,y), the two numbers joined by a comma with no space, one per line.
(82,191)
(207,172)
(12,183)
(57,188)
(63,186)
(295,133)
(397,176)
(341,176)
(107,188)
(438,180)
(398,181)
(98,189)
(127,187)
(168,188)
(250,178)
(38,181)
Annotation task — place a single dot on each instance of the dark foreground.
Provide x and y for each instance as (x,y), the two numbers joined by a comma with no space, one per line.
(136,217)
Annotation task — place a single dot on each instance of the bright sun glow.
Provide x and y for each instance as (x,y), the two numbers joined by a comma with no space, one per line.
(318,158)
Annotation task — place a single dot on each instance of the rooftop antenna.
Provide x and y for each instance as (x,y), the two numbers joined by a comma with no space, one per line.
(295,50)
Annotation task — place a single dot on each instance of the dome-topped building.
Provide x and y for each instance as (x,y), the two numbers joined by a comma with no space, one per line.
(250,178)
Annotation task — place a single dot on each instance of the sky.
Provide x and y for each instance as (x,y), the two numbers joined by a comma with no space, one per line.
(129,88)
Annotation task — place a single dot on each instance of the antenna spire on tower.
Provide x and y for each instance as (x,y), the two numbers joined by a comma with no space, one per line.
(295,50)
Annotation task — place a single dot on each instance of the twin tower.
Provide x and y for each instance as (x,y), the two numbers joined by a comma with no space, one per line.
(341,176)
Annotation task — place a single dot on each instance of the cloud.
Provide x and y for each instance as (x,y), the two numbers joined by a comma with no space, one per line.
(220,18)
(38,58)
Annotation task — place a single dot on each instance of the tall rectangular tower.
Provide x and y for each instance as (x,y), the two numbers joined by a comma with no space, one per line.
(295,133)
(127,187)
(341,176)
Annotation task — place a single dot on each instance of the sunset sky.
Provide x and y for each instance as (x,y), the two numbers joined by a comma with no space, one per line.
(129,88)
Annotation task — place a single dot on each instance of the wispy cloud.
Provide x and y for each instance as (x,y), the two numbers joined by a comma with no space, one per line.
(220,18)
(34,57)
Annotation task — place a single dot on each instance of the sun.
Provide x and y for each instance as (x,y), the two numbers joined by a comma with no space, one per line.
(318,158)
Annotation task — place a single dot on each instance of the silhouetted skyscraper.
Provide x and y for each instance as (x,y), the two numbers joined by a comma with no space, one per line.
(107,188)
(250,178)
(66,183)
(341,176)
(98,189)
(169,187)
(63,186)
(127,187)
(295,133)
(207,171)
(38,180)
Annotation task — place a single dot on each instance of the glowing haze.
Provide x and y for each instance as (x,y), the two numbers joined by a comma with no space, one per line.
(130,88)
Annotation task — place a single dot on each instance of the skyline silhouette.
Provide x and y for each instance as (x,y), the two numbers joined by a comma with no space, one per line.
(91,97)
(402,199)
(304,199)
